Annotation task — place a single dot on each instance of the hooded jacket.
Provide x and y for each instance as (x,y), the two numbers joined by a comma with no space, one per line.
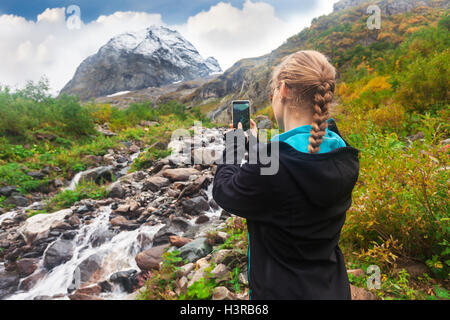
(294,218)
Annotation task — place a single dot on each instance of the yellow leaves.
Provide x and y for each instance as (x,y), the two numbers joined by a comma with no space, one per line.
(377,83)
(388,116)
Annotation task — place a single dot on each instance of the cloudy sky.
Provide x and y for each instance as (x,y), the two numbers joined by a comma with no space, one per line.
(42,38)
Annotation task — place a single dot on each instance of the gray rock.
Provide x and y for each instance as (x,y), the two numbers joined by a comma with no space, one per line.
(58,253)
(26,267)
(18,201)
(195,249)
(155,184)
(99,238)
(195,205)
(36,175)
(127,279)
(98,174)
(116,190)
(7,191)
(8,283)
(87,268)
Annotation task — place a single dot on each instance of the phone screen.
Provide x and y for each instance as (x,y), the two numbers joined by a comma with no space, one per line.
(241,113)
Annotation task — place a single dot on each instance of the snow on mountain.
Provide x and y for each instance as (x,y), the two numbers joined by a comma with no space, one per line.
(152,57)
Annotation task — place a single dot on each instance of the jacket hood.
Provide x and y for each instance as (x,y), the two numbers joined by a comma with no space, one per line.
(326,178)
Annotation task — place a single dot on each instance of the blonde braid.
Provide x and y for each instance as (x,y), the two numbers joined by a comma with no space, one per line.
(322,100)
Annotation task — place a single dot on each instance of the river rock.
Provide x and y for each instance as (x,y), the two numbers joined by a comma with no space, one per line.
(37,175)
(179,241)
(118,221)
(8,190)
(172,228)
(198,275)
(81,296)
(18,201)
(98,174)
(180,174)
(87,268)
(220,271)
(116,190)
(100,237)
(38,226)
(26,266)
(8,283)
(28,283)
(155,183)
(202,219)
(58,253)
(195,205)
(195,249)
(185,270)
(212,203)
(127,279)
(149,259)
(222,293)
(93,290)
(361,294)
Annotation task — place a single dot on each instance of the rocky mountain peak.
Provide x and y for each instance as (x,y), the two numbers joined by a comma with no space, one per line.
(151,57)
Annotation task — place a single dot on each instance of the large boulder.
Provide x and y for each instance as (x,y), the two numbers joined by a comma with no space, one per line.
(58,253)
(149,259)
(38,226)
(195,249)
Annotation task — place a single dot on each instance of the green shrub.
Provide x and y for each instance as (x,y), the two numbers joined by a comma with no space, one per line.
(84,190)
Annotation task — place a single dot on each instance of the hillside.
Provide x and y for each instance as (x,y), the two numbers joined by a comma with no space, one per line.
(343,36)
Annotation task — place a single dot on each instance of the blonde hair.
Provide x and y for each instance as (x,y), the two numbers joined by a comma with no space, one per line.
(311,79)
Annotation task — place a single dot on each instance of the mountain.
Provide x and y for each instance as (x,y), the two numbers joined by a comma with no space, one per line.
(152,57)
(342,35)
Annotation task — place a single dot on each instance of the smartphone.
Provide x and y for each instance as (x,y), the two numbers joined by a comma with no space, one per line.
(241,113)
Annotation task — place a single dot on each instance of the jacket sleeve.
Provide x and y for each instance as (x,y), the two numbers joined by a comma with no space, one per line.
(241,190)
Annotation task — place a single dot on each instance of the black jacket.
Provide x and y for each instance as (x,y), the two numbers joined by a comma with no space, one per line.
(294,219)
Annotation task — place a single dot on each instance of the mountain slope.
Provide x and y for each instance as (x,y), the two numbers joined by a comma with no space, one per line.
(343,36)
(131,61)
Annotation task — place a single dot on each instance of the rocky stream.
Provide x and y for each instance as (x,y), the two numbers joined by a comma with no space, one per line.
(97,248)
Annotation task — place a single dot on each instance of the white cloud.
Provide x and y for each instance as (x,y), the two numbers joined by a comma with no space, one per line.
(31,49)
(229,33)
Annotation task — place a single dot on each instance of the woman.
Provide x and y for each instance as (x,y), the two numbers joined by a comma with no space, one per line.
(295,216)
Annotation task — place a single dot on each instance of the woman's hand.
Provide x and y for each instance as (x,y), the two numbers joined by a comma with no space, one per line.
(253,128)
